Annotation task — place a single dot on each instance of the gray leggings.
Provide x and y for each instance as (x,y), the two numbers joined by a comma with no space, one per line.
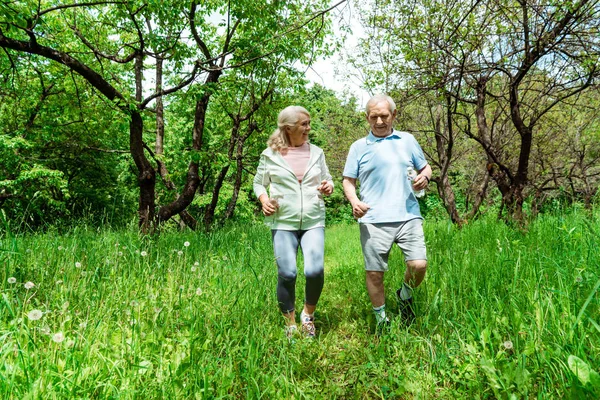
(285,246)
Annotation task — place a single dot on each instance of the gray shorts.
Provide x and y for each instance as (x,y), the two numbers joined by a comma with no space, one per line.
(377,241)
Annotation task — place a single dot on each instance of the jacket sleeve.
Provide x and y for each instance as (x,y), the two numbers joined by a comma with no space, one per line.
(262,179)
(325,175)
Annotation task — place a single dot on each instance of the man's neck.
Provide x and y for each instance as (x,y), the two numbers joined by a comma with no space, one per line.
(382,136)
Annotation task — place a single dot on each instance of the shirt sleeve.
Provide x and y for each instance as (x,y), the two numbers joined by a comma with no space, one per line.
(418,157)
(262,179)
(351,167)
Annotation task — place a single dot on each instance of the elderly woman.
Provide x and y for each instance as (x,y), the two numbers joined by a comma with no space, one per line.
(297,177)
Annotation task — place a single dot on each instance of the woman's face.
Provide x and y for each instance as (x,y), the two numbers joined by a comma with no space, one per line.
(298,133)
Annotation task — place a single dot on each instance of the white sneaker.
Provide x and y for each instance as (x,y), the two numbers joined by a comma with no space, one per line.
(308,325)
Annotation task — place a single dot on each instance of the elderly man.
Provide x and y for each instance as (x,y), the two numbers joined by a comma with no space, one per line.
(388,211)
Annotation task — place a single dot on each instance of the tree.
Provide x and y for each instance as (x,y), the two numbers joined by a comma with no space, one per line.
(107,42)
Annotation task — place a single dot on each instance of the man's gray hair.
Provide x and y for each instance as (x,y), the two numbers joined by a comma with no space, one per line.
(379,98)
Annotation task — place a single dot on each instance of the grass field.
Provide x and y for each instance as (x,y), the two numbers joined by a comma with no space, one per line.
(110,314)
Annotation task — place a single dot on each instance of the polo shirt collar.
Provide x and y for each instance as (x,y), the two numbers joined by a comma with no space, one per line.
(373,139)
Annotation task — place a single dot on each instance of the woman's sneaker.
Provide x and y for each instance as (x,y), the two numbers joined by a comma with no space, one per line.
(308,325)
(291,331)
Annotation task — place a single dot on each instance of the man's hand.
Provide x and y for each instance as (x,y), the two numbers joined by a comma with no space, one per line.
(325,187)
(420,182)
(359,209)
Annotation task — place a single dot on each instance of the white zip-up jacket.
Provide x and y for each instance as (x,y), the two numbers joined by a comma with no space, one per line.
(301,205)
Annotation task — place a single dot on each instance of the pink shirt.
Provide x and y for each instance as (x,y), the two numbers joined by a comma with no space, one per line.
(297,158)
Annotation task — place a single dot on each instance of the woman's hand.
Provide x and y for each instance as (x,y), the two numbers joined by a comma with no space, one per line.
(325,187)
(270,207)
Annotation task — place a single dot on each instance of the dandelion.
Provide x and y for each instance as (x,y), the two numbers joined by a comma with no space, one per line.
(198,291)
(59,282)
(508,345)
(83,325)
(196,264)
(77,264)
(120,254)
(29,285)
(579,279)
(193,269)
(58,337)
(187,244)
(143,254)
(180,253)
(70,343)
(34,315)
(12,279)
(60,248)
(45,330)
(133,303)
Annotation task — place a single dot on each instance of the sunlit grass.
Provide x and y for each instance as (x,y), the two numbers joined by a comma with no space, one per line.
(502,313)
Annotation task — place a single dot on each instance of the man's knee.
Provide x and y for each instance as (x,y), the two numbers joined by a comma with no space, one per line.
(417,266)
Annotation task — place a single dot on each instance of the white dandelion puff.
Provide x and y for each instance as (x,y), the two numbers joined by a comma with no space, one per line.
(120,254)
(29,285)
(187,244)
(196,264)
(143,254)
(12,279)
(198,291)
(34,315)
(508,345)
(58,337)
(77,264)
(180,253)
(193,269)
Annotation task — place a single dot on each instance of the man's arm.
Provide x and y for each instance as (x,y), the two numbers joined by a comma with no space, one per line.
(422,180)
(359,208)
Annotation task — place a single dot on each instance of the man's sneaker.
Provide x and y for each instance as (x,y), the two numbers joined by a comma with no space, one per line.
(308,325)
(406,309)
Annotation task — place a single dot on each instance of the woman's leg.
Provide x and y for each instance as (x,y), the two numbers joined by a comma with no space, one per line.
(285,247)
(312,243)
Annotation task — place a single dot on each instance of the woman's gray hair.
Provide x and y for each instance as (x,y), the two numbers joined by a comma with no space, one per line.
(379,98)
(288,117)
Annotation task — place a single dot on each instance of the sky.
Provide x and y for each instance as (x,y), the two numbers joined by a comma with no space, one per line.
(330,72)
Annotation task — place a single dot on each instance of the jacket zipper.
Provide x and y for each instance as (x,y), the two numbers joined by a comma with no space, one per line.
(302,194)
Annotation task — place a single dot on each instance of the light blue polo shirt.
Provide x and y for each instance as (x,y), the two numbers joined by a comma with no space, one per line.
(380,166)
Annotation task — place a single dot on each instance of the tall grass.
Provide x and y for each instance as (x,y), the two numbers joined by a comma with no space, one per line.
(502,313)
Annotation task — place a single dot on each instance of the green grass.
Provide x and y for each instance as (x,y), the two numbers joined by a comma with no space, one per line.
(502,314)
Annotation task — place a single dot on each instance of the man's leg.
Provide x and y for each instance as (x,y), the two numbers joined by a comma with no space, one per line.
(415,272)
(375,288)
(411,240)
(376,241)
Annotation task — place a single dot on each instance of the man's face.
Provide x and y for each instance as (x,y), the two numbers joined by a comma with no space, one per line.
(381,118)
